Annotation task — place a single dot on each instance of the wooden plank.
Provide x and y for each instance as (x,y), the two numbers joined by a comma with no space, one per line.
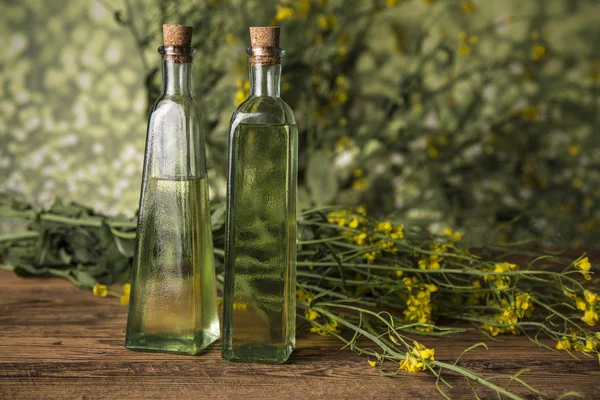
(59,342)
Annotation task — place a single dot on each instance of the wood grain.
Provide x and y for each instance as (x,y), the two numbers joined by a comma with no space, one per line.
(59,342)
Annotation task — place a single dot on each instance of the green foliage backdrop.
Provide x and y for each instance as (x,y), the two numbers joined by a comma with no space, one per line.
(463,113)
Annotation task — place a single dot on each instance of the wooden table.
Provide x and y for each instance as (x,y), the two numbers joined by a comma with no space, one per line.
(60,342)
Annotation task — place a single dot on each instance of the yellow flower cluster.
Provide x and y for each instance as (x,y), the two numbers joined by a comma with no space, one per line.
(303,295)
(589,304)
(126,293)
(434,260)
(327,329)
(418,304)
(100,290)
(327,22)
(311,314)
(466,41)
(239,306)
(569,343)
(340,95)
(584,266)
(417,359)
(574,343)
(243,91)
(501,282)
(392,3)
(360,183)
(468,7)
(510,313)
(453,235)
(372,240)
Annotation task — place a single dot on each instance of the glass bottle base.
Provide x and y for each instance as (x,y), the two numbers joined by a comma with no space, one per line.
(258,354)
(169,344)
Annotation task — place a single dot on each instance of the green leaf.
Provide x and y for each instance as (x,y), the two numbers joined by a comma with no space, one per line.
(126,247)
(83,277)
(320,179)
(217,218)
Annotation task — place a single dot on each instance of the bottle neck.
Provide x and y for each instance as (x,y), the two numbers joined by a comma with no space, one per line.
(264,79)
(177,78)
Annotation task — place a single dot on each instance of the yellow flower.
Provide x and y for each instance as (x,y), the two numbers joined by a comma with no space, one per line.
(398,233)
(473,39)
(584,266)
(126,293)
(243,91)
(303,295)
(563,344)
(327,329)
(392,3)
(399,273)
(311,314)
(468,8)
(501,282)
(590,297)
(362,210)
(327,23)
(340,97)
(431,287)
(372,363)
(464,49)
(239,306)
(358,172)
(456,236)
(360,239)
(284,13)
(418,309)
(303,7)
(538,52)
(354,222)
(580,304)
(230,38)
(385,227)
(343,143)
(370,256)
(409,282)
(100,290)
(360,184)
(432,152)
(433,262)
(574,150)
(523,305)
(416,360)
(590,317)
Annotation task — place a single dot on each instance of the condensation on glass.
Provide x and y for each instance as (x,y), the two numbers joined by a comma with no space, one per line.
(260,256)
(173,305)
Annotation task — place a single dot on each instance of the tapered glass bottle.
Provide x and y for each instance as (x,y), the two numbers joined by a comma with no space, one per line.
(259,305)
(173,305)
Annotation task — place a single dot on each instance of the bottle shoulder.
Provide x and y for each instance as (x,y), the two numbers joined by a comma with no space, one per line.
(263,110)
(175,107)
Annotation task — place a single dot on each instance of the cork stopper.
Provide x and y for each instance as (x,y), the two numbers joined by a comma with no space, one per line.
(265,45)
(264,36)
(177,35)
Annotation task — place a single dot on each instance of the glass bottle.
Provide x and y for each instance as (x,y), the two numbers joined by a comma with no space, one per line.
(173,305)
(259,303)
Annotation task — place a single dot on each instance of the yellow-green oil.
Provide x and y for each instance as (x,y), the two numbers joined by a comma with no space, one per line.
(173,307)
(259,299)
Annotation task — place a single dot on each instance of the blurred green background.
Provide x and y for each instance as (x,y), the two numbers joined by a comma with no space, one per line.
(444,112)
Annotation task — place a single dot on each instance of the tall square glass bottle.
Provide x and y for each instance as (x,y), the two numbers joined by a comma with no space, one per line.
(173,305)
(259,306)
